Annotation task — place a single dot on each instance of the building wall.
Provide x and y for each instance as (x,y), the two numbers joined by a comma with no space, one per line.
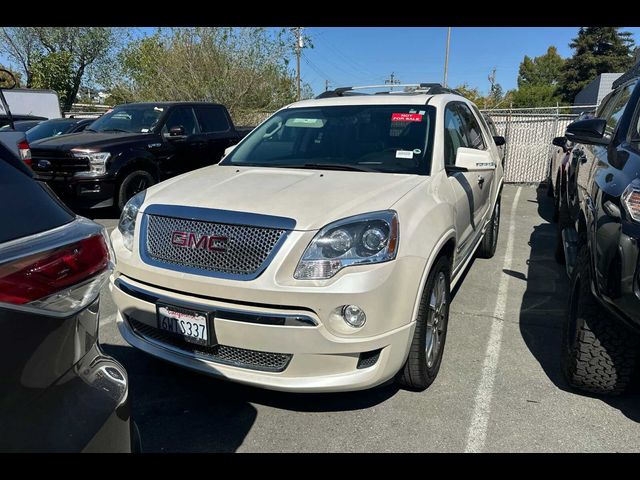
(589,94)
(597,89)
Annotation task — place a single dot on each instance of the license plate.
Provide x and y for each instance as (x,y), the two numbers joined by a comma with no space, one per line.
(191,325)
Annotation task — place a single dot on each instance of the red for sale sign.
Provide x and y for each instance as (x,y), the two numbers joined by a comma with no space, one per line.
(406,117)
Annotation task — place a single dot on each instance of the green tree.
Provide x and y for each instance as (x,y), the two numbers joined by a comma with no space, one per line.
(243,68)
(543,70)
(596,50)
(20,44)
(535,96)
(472,94)
(53,71)
(72,50)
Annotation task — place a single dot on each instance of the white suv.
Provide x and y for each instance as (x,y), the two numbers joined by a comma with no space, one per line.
(320,253)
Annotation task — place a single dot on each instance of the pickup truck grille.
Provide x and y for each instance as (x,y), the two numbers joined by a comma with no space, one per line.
(239,250)
(56,163)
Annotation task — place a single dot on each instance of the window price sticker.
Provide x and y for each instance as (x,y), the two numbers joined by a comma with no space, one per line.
(406,117)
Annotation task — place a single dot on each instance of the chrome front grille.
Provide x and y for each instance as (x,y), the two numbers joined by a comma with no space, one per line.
(243,253)
(237,357)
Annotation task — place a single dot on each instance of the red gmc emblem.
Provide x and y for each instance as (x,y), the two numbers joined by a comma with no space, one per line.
(213,243)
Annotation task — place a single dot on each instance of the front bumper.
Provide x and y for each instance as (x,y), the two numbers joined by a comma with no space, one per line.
(317,358)
(83,193)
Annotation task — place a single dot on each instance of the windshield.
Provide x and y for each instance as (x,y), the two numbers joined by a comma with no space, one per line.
(48,129)
(379,138)
(128,119)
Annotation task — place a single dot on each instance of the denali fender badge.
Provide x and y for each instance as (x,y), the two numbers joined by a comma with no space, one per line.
(213,243)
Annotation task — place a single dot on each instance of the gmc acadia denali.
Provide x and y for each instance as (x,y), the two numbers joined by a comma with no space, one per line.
(319,255)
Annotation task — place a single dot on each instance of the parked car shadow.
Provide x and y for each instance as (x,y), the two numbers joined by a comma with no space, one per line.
(182,411)
(544,307)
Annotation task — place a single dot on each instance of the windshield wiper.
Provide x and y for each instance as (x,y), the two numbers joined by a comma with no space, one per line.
(331,166)
(115,130)
(90,130)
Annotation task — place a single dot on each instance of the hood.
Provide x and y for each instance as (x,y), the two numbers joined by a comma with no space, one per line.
(88,140)
(312,198)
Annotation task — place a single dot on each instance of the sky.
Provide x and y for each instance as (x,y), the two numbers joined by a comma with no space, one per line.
(363,55)
(347,56)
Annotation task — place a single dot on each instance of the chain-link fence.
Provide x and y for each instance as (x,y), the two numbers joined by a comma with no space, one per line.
(529,132)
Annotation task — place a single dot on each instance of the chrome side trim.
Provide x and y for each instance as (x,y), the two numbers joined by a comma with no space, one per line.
(221,216)
(236,315)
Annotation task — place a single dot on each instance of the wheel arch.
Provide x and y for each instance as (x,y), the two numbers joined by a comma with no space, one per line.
(446,245)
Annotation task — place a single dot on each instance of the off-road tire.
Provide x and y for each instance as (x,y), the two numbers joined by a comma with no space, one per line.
(415,374)
(489,243)
(126,186)
(599,354)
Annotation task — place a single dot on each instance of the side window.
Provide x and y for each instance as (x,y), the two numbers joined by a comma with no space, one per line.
(454,135)
(181,117)
(615,108)
(212,119)
(472,129)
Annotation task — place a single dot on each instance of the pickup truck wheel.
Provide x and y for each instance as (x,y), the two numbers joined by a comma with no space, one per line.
(427,346)
(490,241)
(133,183)
(599,354)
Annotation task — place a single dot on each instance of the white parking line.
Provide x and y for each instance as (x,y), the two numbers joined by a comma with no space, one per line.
(482,407)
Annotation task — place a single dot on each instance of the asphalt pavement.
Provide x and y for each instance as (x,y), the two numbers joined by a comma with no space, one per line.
(500,388)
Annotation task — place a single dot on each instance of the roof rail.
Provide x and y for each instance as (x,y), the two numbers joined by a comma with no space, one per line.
(430,88)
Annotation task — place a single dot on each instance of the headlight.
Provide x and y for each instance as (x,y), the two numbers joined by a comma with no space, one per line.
(368,238)
(97,162)
(127,223)
(631,200)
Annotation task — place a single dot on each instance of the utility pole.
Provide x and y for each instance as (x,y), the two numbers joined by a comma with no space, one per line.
(326,85)
(299,45)
(446,57)
(392,80)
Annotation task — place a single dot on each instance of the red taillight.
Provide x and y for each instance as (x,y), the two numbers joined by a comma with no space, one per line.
(40,275)
(25,152)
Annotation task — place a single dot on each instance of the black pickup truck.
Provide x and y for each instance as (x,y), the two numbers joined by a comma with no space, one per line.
(131,148)
(599,222)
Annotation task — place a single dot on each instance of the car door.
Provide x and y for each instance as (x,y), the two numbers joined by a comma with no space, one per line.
(182,153)
(482,181)
(216,131)
(467,195)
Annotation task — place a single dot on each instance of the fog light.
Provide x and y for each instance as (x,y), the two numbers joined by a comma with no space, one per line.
(354,315)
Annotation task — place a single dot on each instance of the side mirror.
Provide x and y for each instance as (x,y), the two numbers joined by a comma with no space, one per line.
(472,160)
(499,141)
(560,142)
(589,132)
(230,149)
(176,133)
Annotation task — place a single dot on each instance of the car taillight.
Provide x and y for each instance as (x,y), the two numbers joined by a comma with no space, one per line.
(60,280)
(25,152)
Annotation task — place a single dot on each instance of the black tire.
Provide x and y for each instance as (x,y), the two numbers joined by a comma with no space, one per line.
(599,353)
(489,243)
(133,183)
(420,369)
